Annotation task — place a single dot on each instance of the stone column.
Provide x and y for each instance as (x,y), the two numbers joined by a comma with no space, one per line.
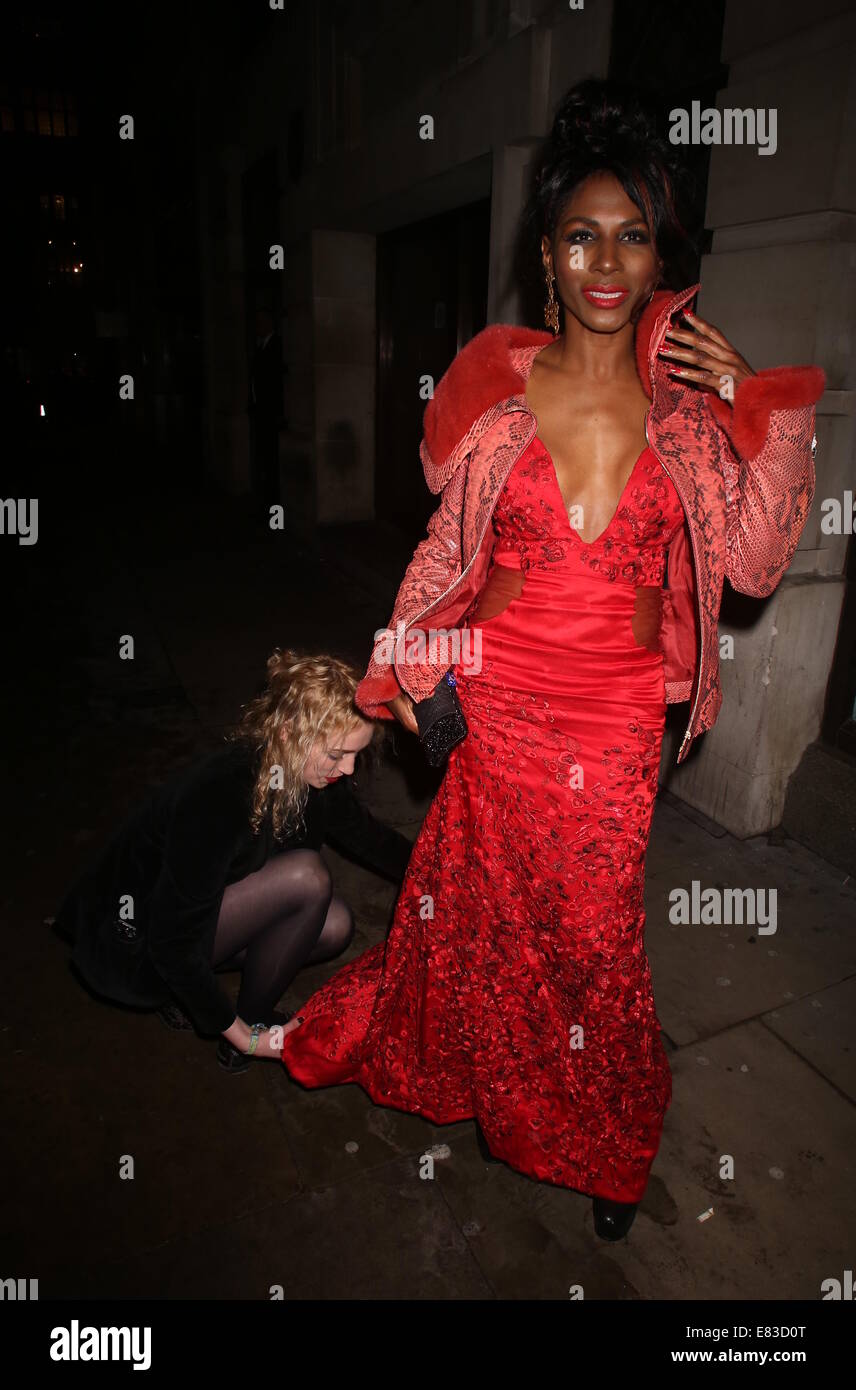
(780,282)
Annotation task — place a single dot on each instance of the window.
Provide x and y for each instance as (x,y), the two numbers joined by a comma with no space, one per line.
(50,113)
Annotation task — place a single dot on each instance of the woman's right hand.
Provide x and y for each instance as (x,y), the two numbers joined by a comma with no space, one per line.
(402,708)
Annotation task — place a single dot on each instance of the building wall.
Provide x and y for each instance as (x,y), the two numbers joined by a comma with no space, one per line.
(780,278)
(780,282)
(489,93)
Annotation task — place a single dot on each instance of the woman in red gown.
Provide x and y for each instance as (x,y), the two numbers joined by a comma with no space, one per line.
(514,983)
(514,986)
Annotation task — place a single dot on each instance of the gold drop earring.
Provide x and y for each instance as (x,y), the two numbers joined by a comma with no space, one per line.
(551,312)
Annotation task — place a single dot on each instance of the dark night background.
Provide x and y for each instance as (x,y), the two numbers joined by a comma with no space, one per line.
(149,257)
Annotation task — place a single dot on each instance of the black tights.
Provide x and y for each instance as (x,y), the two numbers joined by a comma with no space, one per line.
(277,920)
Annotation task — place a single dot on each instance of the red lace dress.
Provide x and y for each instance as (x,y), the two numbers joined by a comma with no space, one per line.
(513,985)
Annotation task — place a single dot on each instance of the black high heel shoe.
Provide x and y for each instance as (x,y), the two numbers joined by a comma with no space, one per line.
(482,1143)
(174,1017)
(612,1220)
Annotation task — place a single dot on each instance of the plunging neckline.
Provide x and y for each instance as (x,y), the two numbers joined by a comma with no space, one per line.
(566,509)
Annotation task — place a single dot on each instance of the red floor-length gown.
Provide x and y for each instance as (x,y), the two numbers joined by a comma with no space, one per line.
(513,985)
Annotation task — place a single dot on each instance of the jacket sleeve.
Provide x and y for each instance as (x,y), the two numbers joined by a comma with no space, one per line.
(204,833)
(435,565)
(766,447)
(351,828)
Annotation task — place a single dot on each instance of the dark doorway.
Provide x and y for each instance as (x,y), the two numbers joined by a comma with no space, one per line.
(839,723)
(432,298)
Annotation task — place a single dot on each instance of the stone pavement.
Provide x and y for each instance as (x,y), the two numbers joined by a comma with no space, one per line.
(245,1182)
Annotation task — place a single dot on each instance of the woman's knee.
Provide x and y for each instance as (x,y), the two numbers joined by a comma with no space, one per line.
(340,919)
(337,932)
(306,872)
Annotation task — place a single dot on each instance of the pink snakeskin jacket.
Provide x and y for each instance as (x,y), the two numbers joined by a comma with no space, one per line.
(744,471)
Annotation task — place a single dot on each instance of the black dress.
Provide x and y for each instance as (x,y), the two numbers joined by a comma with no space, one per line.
(143,917)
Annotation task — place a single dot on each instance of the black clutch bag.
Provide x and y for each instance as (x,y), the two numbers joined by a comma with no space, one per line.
(440,720)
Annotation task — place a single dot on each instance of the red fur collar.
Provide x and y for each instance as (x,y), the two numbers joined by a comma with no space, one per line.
(486,372)
(483,373)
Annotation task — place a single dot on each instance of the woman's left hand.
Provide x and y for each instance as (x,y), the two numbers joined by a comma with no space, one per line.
(714,364)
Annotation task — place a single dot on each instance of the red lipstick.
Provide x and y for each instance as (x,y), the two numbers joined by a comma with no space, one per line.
(606,296)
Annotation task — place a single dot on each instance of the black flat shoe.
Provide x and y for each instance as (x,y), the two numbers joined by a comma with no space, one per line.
(231,1060)
(612,1220)
(173,1017)
(482,1143)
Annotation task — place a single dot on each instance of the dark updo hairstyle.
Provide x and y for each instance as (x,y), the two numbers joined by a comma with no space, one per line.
(609,125)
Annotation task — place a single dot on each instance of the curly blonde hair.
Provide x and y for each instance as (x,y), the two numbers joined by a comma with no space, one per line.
(308,696)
